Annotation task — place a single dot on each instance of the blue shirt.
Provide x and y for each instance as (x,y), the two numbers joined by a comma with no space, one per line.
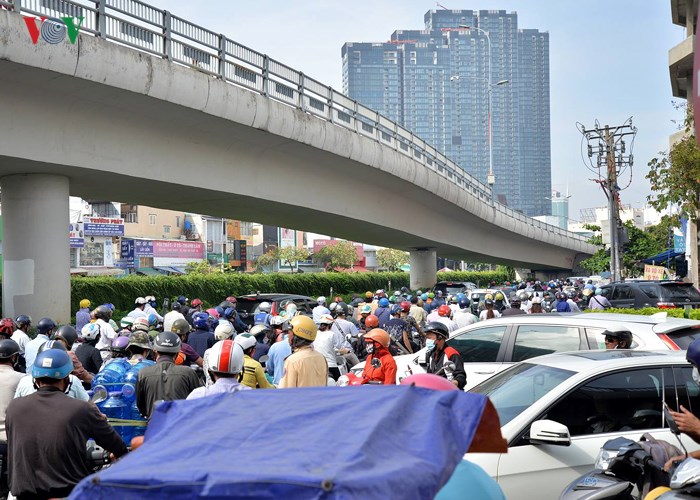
(32,349)
(82,318)
(201,340)
(277,354)
(470,481)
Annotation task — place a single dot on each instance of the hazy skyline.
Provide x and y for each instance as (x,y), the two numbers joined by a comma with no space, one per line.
(608,60)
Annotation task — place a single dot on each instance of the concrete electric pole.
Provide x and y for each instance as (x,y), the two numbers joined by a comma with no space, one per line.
(613,154)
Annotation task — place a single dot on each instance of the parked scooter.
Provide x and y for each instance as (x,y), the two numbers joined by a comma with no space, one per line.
(626,470)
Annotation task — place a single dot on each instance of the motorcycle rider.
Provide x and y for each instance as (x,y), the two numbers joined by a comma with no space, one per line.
(87,353)
(150,308)
(23,322)
(325,343)
(165,381)
(103,315)
(82,317)
(263,315)
(201,338)
(139,347)
(47,432)
(380,365)
(416,311)
(139,308)
(464,316)
(187,356)
(304,367)
(253,373)
(617,337)
(9,378)
(224,362)
(382,311)
(599,301)
(44,328)
(687,422)
(445,317)
(344,329)
(170,317)
(489,312)
(262,333)
(320,310)
(69,336)
(437,353)
(194,308)
(514,308)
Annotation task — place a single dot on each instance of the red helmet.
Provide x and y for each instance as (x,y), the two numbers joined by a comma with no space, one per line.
(429,381)
(371,321)
(378,335)
(405,306)
(7,326)
(196,302)
(444,310)
(231,299)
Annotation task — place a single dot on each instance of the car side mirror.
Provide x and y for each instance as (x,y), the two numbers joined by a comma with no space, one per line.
(549,432)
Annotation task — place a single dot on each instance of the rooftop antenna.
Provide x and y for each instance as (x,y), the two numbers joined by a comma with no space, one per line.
(441,6)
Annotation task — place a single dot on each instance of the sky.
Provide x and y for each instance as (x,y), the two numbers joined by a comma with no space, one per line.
(608,61)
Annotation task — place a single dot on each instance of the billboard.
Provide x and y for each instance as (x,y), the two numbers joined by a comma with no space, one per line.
(103,226)
(76,234)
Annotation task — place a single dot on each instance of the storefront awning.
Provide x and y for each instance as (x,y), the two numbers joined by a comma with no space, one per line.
(147,271)
(170,269)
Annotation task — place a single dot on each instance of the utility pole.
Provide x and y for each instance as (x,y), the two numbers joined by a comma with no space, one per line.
(608,145)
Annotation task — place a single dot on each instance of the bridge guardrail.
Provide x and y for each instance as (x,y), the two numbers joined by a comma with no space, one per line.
(158,32)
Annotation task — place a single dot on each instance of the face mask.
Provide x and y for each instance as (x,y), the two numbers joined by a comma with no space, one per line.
(369,348)
(430,344)
(696,375)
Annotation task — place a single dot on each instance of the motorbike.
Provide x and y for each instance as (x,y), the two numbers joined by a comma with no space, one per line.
(625,469)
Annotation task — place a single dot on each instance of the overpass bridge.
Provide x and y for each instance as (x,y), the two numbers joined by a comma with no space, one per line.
(147,108)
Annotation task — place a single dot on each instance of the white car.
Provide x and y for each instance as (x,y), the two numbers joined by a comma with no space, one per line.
(557,411)
(489,347)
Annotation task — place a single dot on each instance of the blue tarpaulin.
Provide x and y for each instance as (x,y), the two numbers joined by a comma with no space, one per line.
(662,257)
(356,442)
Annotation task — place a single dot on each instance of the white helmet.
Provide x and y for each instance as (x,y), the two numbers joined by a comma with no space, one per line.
(90,331)
(290,309)
(246,341)
(223,331)
(224,357)
(277,320)
(321,300)
(264,307)
(150,298)
(326,319)
(140,301)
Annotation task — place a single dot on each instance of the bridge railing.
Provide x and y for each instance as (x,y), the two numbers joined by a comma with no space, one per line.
(158,32)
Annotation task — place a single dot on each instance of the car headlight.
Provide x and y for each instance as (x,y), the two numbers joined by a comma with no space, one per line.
(604,458)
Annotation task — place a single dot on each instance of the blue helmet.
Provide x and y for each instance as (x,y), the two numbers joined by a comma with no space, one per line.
(395,309)
(109,305)
(424,297)
(152,319)
(693,353)
(229,313)
(52,363)
(182,299)
(220,310)
(200,320)
(383,302)
(460,296)
(464,303)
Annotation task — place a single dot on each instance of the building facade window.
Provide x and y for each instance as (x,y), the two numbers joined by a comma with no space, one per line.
(166,229)
(152,219)
(177,221)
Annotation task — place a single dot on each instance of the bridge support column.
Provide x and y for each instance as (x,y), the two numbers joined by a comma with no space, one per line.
(423,263)
(35,246)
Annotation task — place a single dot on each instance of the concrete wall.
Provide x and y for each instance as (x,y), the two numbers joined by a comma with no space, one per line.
(140,127)
(144,229)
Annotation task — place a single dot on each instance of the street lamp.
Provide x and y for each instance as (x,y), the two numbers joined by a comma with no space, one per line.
(491,178)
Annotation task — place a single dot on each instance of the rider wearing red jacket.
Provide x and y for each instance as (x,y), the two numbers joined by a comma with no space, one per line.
(379,365)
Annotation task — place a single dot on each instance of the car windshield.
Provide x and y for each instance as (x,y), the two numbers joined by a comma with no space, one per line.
(248,305)
(517,388)
(675,291)
(454,289)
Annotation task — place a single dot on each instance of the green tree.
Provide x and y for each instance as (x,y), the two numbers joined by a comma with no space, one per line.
(599,261)
(341,255)
(291,255)
(266,259)
(201,267)
(391,258)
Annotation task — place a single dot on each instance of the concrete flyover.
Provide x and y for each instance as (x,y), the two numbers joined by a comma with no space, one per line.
(118,123)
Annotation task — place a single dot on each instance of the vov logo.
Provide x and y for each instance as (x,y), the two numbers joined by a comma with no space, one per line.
(53,30)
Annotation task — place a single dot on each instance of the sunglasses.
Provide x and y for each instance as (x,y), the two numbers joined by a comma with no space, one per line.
(610,340)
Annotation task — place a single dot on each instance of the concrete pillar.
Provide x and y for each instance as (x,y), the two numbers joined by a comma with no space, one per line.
(423,268)
(35,246)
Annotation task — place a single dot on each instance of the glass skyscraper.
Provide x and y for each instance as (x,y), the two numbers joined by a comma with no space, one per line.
(435,83)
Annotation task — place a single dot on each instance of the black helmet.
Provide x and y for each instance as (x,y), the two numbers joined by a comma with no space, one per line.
(52,344)
(45,325)
(176,306)
(67,333)
(167,343)
(437,328)
(620,333)
(103,312)
(22,320)
(8,348)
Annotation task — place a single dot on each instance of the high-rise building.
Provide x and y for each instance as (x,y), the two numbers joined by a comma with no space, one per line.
(435,82)
(560,209)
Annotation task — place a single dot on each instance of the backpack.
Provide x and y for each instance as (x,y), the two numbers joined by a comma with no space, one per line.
(660,452)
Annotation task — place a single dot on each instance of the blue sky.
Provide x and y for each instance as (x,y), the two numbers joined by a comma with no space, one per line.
(608,61)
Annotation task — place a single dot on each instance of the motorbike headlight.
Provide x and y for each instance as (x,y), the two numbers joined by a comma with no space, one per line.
(343,381)
(604,458)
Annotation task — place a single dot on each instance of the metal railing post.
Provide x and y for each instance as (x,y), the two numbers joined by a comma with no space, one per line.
(300,91)
(329,98)
(102,18)
(167,36)
(265,74)
(222,57)
(16,5)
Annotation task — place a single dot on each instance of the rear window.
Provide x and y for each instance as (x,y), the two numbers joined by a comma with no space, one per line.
(677,291)
(651,291)
(247,305)
(684,337)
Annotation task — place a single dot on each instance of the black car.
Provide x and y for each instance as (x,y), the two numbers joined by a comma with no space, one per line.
(663,294)
(248,305)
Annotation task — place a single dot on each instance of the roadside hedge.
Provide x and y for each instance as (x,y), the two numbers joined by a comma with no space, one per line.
(213,288)
(648,311)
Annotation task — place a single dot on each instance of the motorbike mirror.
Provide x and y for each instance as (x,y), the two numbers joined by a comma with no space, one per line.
(99,395)
(450,366)
(263,358)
